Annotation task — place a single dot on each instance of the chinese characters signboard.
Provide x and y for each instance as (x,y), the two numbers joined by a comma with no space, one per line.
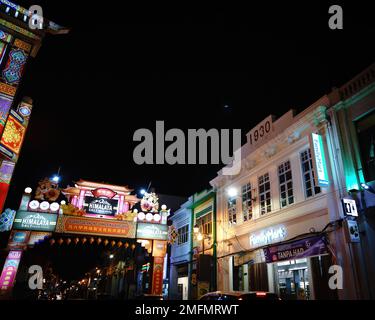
(93,226)
(157,276)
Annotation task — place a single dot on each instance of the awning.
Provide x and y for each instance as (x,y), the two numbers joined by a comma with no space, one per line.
(303,248)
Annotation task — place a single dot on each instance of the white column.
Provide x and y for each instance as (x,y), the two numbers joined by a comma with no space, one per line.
(245,277)
(230,273)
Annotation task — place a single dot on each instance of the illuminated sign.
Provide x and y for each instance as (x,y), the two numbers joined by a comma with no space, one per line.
(35,221)
(268,236)
(94,226)
(100,206)
(103,193)
(8,275)
(18,239)
(6,171)
(152,231)
(13,135)
(157,276)
(319,160)
(350,207)
(5,104)
(159,248)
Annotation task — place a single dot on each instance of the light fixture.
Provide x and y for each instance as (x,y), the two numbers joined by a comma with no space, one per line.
(135,211)
(200,237)
(142,192)
(149,216)
(232,192)
(63,202)
(365,186)
(196,229)
(163,207)
(111,256)
(56,179)
(141,216)
(157,217)
(28,190)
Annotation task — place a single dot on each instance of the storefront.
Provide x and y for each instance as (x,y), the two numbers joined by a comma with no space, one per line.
(291,265)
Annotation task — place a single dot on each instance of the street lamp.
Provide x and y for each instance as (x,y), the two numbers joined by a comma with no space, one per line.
(196,229)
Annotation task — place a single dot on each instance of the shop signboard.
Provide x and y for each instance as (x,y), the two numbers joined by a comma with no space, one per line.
(12,138)
(152,231)
(308,247)
(319,160)
(37,236)
(95,226)
(35,221)
(9,272)
(268,236)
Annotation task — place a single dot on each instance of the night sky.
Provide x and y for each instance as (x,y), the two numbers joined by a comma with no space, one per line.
(124,67)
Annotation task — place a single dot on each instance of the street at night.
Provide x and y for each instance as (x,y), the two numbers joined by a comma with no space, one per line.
(163,157)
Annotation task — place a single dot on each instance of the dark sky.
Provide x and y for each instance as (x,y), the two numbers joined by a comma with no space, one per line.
(123,67)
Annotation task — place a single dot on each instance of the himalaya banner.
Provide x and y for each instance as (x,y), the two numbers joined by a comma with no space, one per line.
(312,246)
(35,221)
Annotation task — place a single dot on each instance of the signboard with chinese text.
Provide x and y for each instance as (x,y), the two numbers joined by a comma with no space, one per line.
(94,226)
(157,276)
(12,137)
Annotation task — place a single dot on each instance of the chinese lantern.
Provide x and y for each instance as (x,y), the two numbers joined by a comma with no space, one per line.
(133,246)
(99,240)
(113,242)
(84,240)
(61,241)
(76,240)
(106,242)
(91,240)
(119,244)
(126,245)
(52,242)
(68,241)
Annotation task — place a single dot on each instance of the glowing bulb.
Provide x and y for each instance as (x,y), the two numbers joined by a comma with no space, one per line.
(200,237)
(163,207)
(28,190)
(232,192)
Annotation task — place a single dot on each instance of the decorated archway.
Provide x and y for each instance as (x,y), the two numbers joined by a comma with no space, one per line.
(90,214)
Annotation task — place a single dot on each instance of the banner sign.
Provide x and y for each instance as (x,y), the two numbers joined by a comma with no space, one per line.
(304,248)
(159,248)
(157,276)
(9,272)
(35,221)
(35,237)
(319,160)
(95,226)
(18,239)
(12,137)
(152,231)
(101,206)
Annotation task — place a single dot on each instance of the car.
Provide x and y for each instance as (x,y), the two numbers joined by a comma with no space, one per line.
(146,296)
(239,295)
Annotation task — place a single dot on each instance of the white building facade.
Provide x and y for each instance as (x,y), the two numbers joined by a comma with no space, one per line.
(279,221)
(181,253)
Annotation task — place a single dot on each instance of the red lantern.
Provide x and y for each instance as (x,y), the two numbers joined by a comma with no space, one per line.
(99,240)
(84,240)
(61,241)
(119,244)
(68,241)
(92,240)
(52,242)
(76,240)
